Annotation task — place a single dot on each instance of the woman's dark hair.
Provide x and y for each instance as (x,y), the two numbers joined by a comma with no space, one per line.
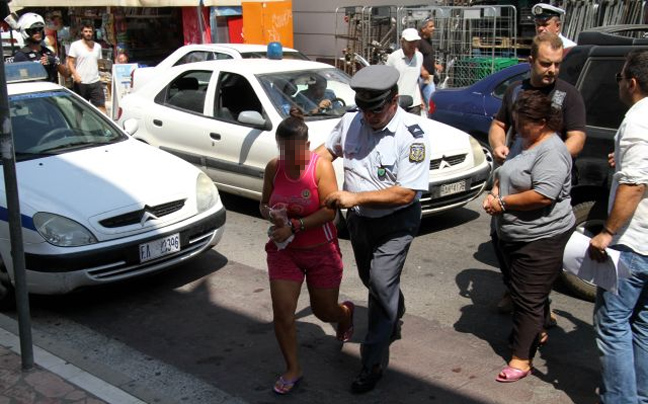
(293,127)
(534,106)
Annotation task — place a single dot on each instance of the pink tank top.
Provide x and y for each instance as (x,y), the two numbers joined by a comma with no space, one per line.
(302,199)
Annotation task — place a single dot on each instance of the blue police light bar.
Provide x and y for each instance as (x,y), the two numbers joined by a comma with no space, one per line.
(24,71)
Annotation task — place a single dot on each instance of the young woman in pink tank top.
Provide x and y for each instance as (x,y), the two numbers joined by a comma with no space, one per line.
(303,242)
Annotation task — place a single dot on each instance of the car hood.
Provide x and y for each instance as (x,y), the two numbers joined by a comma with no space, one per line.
(446,140)
(88,186)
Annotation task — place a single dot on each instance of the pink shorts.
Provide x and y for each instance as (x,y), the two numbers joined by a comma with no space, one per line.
(321,265)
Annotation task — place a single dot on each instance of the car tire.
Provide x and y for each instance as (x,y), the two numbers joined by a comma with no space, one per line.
(590,218)
(7,291)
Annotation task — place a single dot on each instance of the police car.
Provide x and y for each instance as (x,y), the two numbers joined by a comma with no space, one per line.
(209,51)
(97,206)
(222,115)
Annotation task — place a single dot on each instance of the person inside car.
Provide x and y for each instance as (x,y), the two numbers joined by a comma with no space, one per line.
(317,97)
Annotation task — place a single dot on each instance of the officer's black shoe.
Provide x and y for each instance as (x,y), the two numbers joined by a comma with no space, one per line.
(366,380)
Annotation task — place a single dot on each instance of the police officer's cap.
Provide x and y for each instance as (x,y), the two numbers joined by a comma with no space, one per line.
(542,11)
(373,85)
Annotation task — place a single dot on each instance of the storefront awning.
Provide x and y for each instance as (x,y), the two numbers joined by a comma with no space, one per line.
(15,4)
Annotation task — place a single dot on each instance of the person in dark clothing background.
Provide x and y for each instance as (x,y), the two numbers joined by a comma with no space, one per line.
(31,27)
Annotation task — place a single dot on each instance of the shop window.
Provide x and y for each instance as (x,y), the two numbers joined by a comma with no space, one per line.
(234,95)
(187,91)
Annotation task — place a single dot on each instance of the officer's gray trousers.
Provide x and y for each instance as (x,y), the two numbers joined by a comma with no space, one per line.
(380,246)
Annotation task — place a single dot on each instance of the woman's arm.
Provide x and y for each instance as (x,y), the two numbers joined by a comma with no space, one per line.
(524,201)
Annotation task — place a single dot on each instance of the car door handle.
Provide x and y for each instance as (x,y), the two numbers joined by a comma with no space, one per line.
(157,122)
(215,136)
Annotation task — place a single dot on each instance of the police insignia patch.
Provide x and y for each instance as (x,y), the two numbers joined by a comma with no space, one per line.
(417,152)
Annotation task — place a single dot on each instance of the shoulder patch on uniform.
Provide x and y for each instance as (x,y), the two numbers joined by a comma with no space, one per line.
(416,131)
(417,152)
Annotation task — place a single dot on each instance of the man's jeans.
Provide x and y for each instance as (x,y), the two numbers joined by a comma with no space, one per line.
(621,324)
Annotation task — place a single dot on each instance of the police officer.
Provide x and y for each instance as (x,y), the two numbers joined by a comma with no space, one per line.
(547,18)
(31,26)
(386,164)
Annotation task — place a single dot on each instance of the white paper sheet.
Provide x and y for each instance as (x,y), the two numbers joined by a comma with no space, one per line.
(604,274)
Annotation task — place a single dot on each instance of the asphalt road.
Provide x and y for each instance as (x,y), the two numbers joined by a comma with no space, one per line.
(207,324)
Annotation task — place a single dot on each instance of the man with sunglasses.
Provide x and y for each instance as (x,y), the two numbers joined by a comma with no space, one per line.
(386,166)
(31,26)
(621,319)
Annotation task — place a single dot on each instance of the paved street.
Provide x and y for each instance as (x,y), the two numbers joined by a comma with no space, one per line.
(207,324)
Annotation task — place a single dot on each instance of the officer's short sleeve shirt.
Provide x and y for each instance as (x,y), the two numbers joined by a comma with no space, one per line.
(397,155)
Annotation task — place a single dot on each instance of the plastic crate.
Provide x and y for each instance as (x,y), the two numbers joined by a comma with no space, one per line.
(470,70)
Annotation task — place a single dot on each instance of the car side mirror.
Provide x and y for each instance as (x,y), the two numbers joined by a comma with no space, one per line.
(254,119)
(131,126)
(405,101)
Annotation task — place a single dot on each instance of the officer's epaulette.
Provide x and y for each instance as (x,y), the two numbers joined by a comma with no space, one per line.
(415,130)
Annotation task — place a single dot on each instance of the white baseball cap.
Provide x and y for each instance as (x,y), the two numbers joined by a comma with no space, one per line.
(410,34)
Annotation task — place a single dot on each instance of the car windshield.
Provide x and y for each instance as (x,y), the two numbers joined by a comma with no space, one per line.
(55,122)
(321,93)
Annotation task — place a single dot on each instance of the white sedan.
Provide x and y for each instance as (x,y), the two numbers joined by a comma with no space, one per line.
(208,51)
(96,205)
(221,116)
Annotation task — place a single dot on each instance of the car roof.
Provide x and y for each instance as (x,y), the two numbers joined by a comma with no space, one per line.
(257,66)
(31,87)
(624,34)
(239,47)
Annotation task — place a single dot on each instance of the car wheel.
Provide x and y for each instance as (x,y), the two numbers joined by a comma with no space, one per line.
(590,218)
(7,292)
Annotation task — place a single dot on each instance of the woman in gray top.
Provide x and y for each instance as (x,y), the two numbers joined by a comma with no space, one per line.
(531,204)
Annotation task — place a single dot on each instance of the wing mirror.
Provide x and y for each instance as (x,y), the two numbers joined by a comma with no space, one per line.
(254,119)
(131,126)
(405,101)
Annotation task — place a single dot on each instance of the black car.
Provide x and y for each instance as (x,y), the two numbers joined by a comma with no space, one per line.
(591,67)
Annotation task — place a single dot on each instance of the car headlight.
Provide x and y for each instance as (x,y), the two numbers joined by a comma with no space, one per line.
(206,193)
(478,153)
(61,231)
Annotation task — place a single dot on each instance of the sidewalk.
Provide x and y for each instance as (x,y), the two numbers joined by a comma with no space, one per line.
(51,380)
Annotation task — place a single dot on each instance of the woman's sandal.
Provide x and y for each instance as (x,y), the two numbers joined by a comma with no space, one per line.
(283,386)
(345,334)
(510,375)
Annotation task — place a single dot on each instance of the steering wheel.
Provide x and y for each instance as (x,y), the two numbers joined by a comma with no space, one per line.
(333,101)
(54,134)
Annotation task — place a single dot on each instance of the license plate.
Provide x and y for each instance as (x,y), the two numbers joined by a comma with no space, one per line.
(453,188)
(159,248)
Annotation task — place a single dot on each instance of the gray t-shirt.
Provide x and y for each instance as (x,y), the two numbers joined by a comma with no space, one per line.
(546,169)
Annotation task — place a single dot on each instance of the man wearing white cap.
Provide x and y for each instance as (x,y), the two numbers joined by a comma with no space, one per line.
(548,19)
(408,61)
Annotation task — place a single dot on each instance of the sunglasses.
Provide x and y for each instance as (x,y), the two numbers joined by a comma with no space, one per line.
(378,110)
(32,31)
(618,77)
